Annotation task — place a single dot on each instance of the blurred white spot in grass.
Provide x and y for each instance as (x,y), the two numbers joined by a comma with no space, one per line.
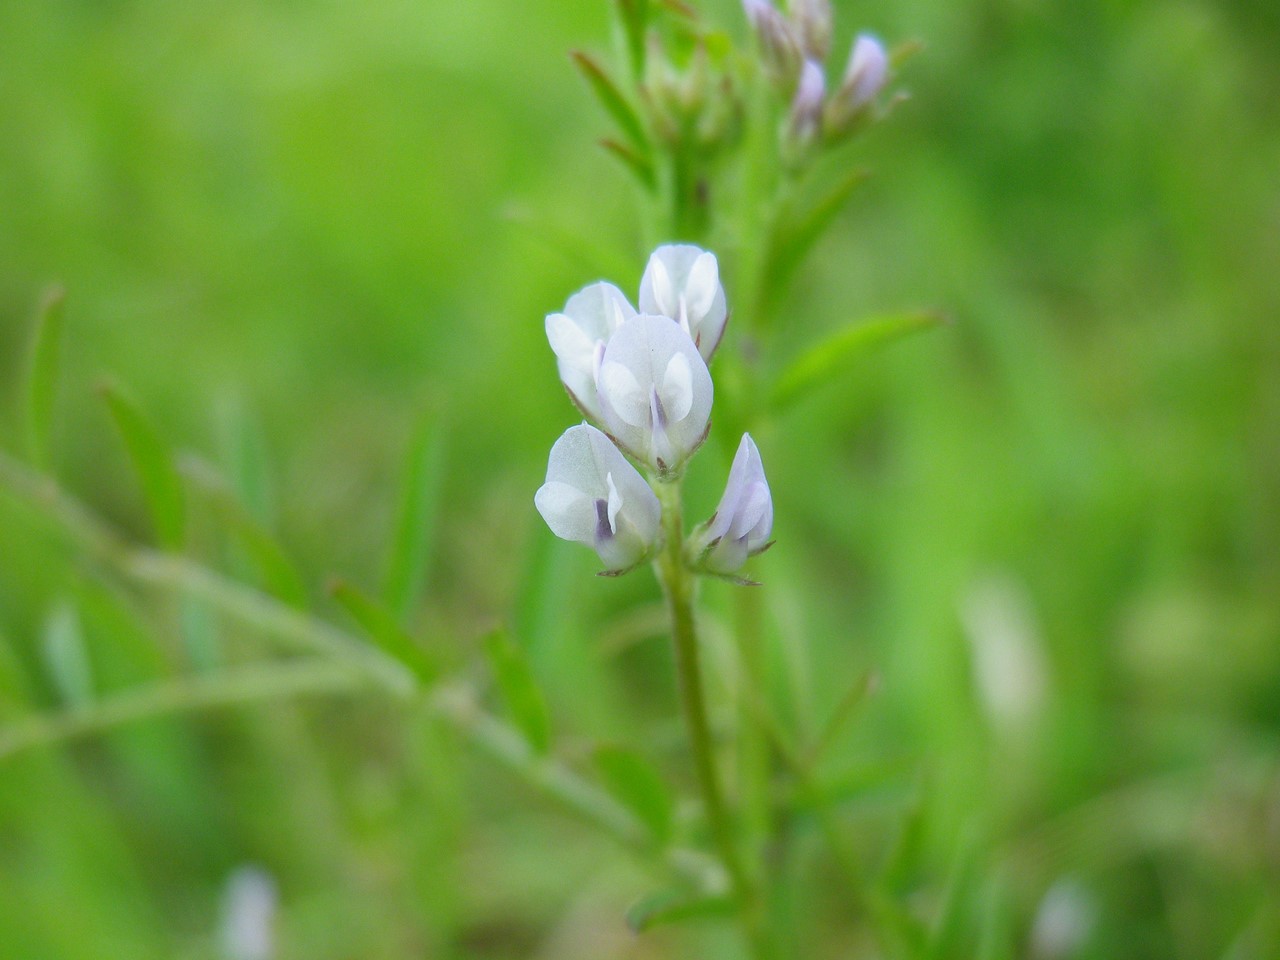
(1008,655)
(1064,922)
(248,914)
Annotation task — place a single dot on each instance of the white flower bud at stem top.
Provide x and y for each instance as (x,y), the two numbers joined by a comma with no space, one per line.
(743,521)
(655,391)
(682,282)
(864,78)
(813,18)
(593,496)
(578,335)
(779,42)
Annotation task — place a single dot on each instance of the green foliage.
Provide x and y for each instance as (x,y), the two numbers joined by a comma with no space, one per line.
(635,782)
(153,461)
(42,381)
(520,691)
(306,208)
(382,628)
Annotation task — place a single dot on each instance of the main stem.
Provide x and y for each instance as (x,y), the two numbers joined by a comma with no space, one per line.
(678,583)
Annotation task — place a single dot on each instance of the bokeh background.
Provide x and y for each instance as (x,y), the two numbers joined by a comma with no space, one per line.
(297,229)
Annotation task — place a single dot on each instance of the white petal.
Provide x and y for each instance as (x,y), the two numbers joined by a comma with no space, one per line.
(615,502)
(569,512)
(704,281)
(624,394)
(570,343)
(677,388)
(665,299)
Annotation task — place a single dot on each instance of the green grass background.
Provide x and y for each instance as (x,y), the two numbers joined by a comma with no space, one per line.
(294,229)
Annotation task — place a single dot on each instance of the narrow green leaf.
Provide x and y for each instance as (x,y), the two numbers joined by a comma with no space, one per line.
(66,657)
(797,232)
(200,633)
(829,358)
(613,101)
(952,936)
(523,697)
(383,629)
(154,464)
(414,532)
(276,571)
(634,15)
(641,168)
(42,383)
(637,784)
(854,697)
(673,906)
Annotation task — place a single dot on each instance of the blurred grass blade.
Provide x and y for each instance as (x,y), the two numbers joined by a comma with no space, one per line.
(613,101)
(414,533)
(640,167)
(832,356)
(854,697)
(154,464)
(520,691)
(673,906)
(42,383)
(382,628)
(634,15)
(66,657)
(949,932)
(200,633)
(796,234)
(638,786)
(243,451)
(276,571)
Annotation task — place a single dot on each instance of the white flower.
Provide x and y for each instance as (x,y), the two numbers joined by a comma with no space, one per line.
(682,282)
(655,391)
(864,78)
(741,525)
(578,335)
(593,496)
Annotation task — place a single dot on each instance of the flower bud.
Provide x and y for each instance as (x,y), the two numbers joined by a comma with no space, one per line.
(593,496)
(578,335)
(813,20)
(655,391)
(864,78)
(743,521)
(779,43)
(805,118)
(682,282)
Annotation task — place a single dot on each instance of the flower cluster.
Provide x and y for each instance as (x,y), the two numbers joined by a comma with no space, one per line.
(641,379)
(795,47)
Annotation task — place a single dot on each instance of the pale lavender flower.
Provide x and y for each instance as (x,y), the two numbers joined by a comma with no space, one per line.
(682,282)
(578,335)
(805,118)
(593,496)
(864,78)
(655,391)
(743,521)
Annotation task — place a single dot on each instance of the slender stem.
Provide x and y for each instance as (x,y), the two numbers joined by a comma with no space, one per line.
(678,585)
(348,662)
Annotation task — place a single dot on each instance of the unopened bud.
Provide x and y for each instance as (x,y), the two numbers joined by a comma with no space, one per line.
(780,45)
(813,20)
(805,118)
(864,78)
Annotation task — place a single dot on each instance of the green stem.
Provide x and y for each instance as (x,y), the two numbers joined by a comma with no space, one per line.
(349,662)
(678,586)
